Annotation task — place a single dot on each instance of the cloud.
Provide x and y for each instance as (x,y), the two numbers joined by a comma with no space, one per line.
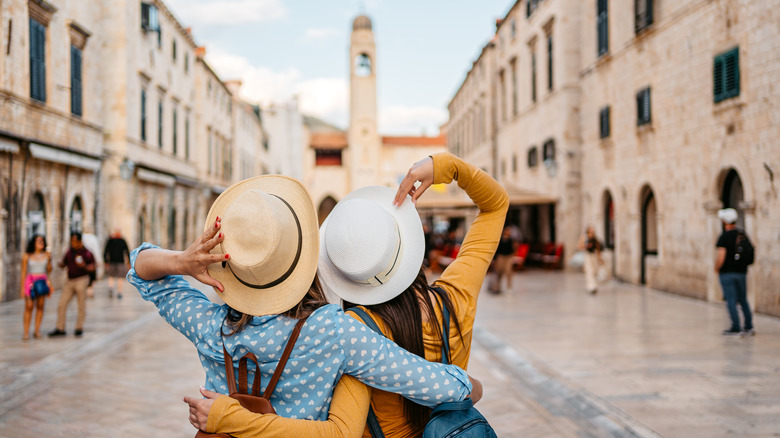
(400,120)
(228,12)
(326,98)
(318,34)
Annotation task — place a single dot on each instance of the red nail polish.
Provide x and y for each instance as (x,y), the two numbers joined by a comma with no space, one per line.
(227,256)
(220,235)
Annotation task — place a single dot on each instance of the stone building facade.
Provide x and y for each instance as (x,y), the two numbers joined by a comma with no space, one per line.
(51,128)
(110,118)
(665,113)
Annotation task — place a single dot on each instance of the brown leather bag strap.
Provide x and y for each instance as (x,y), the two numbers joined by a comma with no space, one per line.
(243,378)
(283,361)
(230,374)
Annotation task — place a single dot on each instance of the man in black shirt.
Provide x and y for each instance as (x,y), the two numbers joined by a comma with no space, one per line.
(117,258)
(733,273)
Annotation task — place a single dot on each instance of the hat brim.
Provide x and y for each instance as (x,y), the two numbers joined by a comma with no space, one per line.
(411,257)
(283,296)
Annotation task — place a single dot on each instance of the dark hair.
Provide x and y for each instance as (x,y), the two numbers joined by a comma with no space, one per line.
(76,234)
(313,300)
(403,317)
(31,244)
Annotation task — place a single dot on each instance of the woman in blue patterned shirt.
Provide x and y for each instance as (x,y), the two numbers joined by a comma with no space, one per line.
(260,252)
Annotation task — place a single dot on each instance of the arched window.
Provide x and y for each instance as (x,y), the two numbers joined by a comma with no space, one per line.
(548,150)
(732,195)
(609,221)
(326,206)
(36,215)
(362,65)
(76,216)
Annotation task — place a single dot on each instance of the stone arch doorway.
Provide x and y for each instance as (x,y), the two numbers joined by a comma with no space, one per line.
(732,195)
(609,225)
(326,206)
(649,238)
(36,215)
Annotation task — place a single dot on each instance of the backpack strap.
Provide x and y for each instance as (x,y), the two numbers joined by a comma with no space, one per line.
(243,377)
(371,421)
(283,361)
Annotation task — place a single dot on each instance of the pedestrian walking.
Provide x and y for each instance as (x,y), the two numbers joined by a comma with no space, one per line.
(592,247)
(264,264)
(505,260)
(371,256)
(117,259)
(734,255)
(36,286)
(92,244)
(79,263)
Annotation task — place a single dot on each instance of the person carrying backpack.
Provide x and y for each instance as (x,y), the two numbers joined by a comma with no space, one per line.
(735,254)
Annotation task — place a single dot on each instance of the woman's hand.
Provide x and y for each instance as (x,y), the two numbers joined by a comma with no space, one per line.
(195,260)
(476,390)
(200,407)
(421,171)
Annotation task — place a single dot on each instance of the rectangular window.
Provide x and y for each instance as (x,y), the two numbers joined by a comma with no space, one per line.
(502,102)
(187,137)
(602,27)
(211,154)
(150,20)
(143,114)
(725,75)
(75,81)
(533,76)
(173,50)
(175,132)
(549,62)
(160,124)
(513,63)
(186,63)
(643,14)
(643,107)
(37,61)
(327,157)
(604,122)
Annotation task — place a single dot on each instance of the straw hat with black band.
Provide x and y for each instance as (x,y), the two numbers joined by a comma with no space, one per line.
(271,235)
(370,250)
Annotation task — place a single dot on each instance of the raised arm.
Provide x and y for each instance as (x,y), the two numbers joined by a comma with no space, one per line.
(466,273)
(346,418)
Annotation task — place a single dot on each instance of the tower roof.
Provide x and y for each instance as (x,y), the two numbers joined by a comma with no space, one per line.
(361,22)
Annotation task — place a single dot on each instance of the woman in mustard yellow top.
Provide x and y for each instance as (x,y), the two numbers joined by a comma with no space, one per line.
(410,315)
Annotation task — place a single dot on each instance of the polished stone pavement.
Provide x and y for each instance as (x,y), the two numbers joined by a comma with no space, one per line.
(554,361)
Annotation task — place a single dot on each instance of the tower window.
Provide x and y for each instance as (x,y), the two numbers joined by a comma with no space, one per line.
(362,65)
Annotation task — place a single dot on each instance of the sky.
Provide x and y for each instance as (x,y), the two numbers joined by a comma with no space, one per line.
(285,48)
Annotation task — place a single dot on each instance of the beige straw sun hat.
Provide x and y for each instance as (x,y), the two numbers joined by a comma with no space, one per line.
(370,250)
(271,235)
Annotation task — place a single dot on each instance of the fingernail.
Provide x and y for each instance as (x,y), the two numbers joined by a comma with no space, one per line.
(218,219)
(202,387)
(227,256)
(220,235)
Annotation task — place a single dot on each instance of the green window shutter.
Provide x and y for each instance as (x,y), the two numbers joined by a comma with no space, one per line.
(602,28)
(143,114)
(160,124)
(643,107)
(37,61)
(604,122)
(75,81)
(725,75)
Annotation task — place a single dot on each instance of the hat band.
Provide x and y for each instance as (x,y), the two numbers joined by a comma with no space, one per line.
(292,266)
(382,277)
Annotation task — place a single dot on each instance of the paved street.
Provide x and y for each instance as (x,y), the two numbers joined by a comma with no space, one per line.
(555,362)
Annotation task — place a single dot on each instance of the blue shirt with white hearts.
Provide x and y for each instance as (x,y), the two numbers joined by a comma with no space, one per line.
(330,344)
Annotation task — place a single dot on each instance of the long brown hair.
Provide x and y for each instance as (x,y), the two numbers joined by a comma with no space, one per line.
(403,317)
(313,300)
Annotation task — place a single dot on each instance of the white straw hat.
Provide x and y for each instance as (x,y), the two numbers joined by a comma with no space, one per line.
(370,250)
(271,235)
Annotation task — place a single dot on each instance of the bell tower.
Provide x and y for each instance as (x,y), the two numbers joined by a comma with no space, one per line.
(364,140)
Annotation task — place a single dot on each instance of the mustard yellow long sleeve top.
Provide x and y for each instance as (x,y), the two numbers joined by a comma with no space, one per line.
(462,280)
